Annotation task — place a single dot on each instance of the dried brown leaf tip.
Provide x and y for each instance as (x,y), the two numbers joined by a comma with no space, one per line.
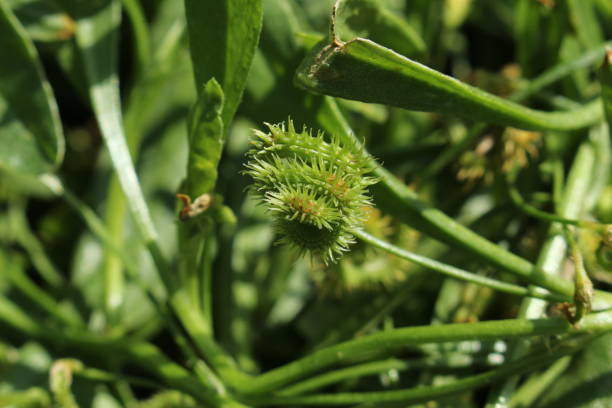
(192,209)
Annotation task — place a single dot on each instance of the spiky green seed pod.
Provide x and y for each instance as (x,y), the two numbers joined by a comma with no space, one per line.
(315,189)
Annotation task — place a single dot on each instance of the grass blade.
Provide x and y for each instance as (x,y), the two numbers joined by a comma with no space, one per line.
(583,17)
(96,37)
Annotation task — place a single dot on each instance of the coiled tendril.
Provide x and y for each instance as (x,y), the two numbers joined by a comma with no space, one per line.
(316,190)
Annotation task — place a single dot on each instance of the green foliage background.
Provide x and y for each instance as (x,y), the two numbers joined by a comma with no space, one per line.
(110,108)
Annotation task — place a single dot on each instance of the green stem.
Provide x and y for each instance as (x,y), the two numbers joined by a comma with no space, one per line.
(394,340)
(454,272)
(140,32)
(398,298)
(142,96)
(199,332)
(396,198)
(422,394)
(140,353)
(519,201)
(535,85)
(33,246)
(98,228)
(32,397)
(586,60)
(190,318)
(568,202)
(96,374)
(343,374)
(371,368)
(538,383)
(112,266)
(36,295)
(583,295)
(206,268)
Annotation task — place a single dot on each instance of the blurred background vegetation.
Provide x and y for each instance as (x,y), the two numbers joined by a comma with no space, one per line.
(271,307)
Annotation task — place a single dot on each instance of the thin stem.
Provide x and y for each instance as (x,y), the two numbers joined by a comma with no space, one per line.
(422,394)
(583,295)
(143,354)
(398,298)
(206,268)
(97,227)
(452,271)
(557,72)
(95,374)
(403,203)
(343,374)
(519,201)
(388,342)
(538,383)
(33,247)
(190,318)
(535,85)
(568,201)
(141,96)
(112,266)
(140,31)
(375,367)
(38,296)
(199,332)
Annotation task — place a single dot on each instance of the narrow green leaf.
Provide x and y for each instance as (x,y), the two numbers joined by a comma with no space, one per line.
(582,16)
(363,70)
(370,19)
(527,20)
(96,37)
(30,129)
(223,36)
